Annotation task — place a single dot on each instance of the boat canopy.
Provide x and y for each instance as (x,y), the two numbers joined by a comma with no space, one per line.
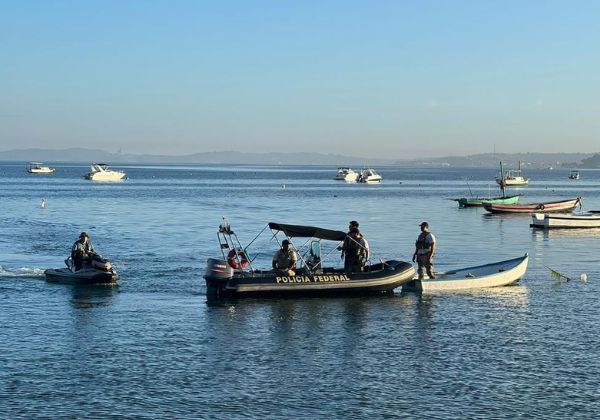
(308,232)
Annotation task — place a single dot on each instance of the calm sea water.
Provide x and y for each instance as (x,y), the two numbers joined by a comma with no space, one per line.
(154,347)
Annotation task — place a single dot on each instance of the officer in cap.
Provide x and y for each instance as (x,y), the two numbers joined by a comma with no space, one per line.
(424,251)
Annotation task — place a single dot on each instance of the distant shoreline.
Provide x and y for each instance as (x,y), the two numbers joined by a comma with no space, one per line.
(486,160)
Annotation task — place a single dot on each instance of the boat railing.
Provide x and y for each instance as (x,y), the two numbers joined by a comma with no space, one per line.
(311,255)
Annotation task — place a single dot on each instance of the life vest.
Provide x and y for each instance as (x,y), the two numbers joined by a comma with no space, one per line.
(422,243)
(354,248)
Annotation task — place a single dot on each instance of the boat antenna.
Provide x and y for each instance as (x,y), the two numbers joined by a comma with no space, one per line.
(467,181)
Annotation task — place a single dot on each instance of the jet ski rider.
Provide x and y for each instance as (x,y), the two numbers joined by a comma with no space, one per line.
(82,251)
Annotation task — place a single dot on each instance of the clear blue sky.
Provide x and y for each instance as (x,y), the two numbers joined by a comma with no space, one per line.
(371,78)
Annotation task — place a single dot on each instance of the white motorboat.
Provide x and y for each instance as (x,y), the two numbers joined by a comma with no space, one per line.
(503,273)
(346,174)
(101,172)
(565,221)
(574,175)
(369,176)
(512,178)
(39,168)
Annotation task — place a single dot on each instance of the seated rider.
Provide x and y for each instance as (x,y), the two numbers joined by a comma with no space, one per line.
(82,251)
(284,260)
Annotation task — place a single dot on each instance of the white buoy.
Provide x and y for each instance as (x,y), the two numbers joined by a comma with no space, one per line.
(43,203)
(283,186)
(583,278)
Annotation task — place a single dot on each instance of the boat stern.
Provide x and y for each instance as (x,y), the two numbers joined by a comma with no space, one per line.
(217,275)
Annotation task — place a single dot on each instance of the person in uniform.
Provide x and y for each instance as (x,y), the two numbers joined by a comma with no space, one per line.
(424,251)
(82,251)
(284,260)
(355,251)
(363,241)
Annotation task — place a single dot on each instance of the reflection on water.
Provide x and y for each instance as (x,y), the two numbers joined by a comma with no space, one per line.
(509,296)
(90,297)
(565,233)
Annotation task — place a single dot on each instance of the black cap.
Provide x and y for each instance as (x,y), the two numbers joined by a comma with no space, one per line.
(285,242)
(424,224)
(353,223)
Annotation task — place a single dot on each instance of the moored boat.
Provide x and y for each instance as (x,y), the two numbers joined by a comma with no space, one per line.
(498,274)
(101,172)
(39,168)
(526,208)
(480,201)
(346,174)
(565,221)
(512,178)
(369,176)
(234,275)
(574,175)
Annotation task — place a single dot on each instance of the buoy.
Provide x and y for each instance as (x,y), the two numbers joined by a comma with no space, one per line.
(583,278)
(283,186)
(43,204)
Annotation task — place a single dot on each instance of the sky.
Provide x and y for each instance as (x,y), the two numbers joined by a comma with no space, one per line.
(394,79)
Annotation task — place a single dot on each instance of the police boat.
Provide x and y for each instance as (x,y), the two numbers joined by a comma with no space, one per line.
(98,270)
(236,275)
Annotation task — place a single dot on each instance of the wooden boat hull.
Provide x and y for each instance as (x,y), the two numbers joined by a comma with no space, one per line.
(480,201)
(380,278)
(499,274)
(567,221)
(546,207)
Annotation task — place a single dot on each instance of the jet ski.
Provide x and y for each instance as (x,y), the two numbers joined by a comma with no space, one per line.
(98,270)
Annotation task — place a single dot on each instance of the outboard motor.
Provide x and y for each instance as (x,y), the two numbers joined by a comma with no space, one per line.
(217,274)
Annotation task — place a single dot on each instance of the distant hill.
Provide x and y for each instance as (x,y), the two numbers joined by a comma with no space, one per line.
(486,160)
(226,157)
(592,162)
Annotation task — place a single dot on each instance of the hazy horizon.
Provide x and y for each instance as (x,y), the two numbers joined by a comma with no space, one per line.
(389,80)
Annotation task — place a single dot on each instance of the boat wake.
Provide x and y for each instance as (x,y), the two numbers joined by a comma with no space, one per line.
(8,272)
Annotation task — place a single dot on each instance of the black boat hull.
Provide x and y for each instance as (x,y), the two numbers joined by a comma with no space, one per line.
(379,278)
(81,277)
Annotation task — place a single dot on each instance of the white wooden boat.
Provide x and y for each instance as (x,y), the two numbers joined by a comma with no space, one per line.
(346,174)
(565,221)
(39,168)
(503,273)
(101,172)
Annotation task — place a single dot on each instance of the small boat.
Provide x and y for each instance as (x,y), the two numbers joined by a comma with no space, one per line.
(98,271)
(369,176)
(574,175)
(235,275)
(39,168)
(512,178)
(346,174)
(101,172)
(545,207)
(565,221)
(481,201)
(503,273)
